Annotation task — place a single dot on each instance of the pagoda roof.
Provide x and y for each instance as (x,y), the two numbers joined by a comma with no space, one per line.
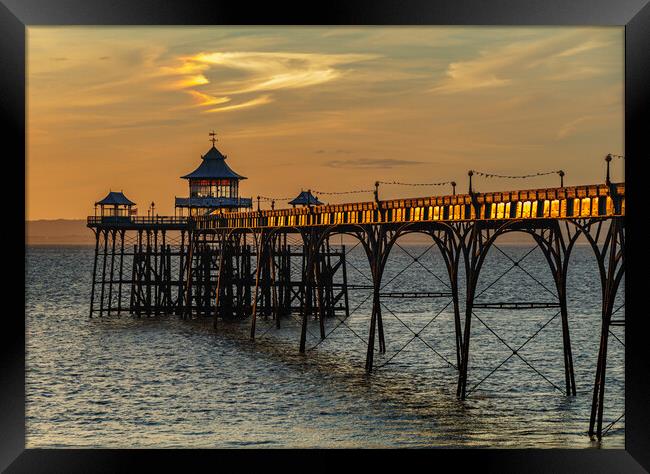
(116,199)
(305,198)
(213,166)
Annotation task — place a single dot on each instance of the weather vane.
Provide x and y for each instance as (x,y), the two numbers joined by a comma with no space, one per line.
(213,137)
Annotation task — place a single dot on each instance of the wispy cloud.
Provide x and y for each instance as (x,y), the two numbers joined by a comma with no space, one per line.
(517,62)
(202,99)
(574,126)
(372,163)
(257,72)
(583,47)
(261,100)
(189,81)
(338,151)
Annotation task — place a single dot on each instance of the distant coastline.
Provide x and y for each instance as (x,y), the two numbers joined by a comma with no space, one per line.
(58,232)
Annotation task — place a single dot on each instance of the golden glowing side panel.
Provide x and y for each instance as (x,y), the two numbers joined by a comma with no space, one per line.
(500,210)
(594,206)
(555,208)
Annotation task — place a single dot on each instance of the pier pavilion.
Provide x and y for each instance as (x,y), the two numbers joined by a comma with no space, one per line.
(212,186)
(115,205)
(305,198)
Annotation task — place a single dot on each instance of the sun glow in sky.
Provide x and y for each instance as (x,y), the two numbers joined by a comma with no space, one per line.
(333,109)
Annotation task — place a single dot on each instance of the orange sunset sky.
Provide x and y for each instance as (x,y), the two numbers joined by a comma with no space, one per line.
(328,108)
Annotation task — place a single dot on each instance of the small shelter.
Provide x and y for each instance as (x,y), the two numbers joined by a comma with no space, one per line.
(305,198)
(115,204)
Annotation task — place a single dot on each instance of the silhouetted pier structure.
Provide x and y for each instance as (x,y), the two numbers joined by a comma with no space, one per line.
(236,264)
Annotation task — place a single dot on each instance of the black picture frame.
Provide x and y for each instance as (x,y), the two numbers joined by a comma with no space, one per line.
(16,15)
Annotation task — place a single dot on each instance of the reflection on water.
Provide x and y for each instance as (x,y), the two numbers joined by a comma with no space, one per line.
(126,382)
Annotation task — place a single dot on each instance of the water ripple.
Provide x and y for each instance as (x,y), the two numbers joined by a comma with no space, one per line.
(123,382)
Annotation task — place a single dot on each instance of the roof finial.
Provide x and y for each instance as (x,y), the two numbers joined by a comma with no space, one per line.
(213,137)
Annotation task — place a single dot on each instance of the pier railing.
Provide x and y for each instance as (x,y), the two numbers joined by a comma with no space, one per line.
(549,203)
(134,221)
(209,201)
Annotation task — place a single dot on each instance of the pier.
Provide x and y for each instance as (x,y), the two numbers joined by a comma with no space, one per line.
(218,258)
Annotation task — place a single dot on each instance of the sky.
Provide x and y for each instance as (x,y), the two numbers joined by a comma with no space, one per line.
(329,108)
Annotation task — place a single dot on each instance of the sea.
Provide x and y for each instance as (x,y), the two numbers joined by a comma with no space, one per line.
(161,382)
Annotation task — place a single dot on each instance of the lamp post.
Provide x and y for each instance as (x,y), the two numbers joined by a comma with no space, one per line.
(470,173)
(561,173)
(453,185)
(608,159)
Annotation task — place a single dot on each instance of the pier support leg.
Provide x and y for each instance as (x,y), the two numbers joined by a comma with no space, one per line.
(92,289)
(377,251)
(133,288)
(611,275)
(111,273)
(450,250)
(187,294)
(474,251)
(304,309)
(457,326)
(121,274)
(597,404)
(319,296)
(260,244)
(380,330)
(181,274)
(105,256)
(273,281)
(569,376)
(222,252)
(310,250)
(461,390)
(374,318)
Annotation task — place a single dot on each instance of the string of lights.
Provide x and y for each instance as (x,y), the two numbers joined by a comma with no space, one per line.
(343,192)
(494,175)
(444,183)
(441,183)
(616,156)
(267,198)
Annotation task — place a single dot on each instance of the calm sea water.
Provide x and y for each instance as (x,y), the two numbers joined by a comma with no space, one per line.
(122,382)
